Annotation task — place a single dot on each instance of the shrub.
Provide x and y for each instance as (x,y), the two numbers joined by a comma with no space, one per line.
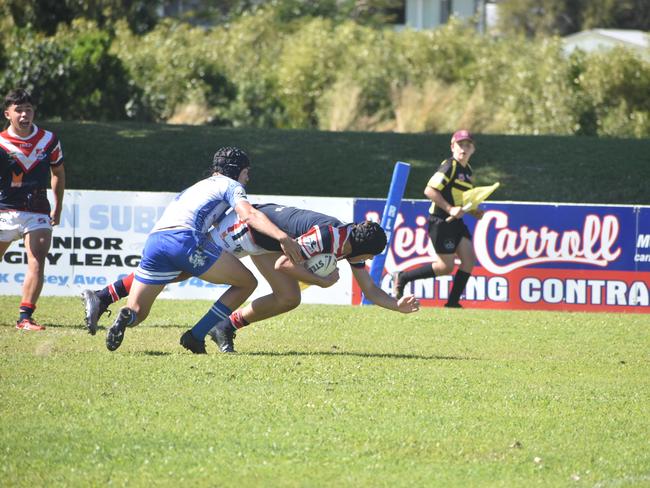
(533,93)
(249,50)
(97,86)
(40,65)
(307,66)
(171,66)
(617,85)
(72,75)
(271,68)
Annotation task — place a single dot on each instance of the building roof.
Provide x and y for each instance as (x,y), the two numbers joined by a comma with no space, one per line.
(594,39)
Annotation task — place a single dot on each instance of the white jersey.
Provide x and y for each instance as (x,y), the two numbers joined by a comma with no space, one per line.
(202,205)
(235,237)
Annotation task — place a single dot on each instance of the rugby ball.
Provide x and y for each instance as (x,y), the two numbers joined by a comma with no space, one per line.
(321,264)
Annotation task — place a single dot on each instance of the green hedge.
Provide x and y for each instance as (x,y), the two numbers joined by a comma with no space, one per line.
(312,72)
(163,157)
(73,74)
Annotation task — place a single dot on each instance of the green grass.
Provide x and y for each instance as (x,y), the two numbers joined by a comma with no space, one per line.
(329,396)
(130,156)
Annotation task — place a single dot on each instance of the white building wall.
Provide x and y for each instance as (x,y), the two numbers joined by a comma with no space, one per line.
(426,14)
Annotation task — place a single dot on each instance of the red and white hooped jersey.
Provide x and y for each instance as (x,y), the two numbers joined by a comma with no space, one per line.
(233,235)
(327,239)
(25,164)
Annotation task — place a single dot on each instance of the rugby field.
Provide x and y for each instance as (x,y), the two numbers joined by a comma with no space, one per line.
(328,396)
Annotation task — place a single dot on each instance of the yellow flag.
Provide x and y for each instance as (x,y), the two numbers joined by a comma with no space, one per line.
(474,197)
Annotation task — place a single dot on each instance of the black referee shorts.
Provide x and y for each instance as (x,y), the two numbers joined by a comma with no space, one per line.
(446,236)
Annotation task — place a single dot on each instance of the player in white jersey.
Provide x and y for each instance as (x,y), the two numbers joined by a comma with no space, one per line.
(179,243)
(316,233)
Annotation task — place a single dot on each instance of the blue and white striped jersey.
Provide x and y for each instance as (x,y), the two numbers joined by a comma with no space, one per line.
(202,205)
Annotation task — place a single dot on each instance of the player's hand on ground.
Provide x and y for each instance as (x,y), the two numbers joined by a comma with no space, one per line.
(330,279)
(408,304)
(291,249)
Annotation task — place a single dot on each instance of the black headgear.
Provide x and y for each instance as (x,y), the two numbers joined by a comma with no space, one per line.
(230,161)
(367,238)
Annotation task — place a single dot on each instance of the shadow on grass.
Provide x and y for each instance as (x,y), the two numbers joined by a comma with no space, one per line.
(362,355)
(154,353)
(48,325)
(420,357)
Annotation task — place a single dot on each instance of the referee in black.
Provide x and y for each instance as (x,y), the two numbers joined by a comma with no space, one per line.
(448,232)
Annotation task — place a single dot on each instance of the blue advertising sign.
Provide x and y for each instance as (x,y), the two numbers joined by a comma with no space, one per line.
(530,255)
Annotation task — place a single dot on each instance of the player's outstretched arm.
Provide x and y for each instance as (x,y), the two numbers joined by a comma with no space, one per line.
(406,304)
(300,273)
(260,222)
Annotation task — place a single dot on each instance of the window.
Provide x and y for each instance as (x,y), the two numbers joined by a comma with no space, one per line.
(445,10)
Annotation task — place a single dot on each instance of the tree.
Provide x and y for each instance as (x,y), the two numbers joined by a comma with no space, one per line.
(46,15)
(562,17)
(374,12)
(621,14)
(42,15)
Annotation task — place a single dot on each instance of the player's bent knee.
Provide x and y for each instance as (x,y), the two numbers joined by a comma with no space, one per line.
(251,283)
(288,301)
(245,280)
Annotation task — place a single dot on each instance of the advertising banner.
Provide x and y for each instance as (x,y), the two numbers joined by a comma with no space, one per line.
(533,256)
(102,233)
(537,256)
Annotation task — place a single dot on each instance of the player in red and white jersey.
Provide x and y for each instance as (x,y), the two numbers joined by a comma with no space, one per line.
(315,233)
(31,159)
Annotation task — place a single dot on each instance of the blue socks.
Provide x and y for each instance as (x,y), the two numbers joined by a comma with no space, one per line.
(216,314)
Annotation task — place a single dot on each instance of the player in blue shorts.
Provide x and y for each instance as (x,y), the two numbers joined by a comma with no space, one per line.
(316,233)
(179,243)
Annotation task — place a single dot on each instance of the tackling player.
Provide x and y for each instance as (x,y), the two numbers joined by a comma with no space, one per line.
(179,243)
(316,234)
(30,159)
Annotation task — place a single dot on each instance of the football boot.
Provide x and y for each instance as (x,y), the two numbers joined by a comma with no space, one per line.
(191,343)
(224,335)
(95,308)
(115,334)
(28,324)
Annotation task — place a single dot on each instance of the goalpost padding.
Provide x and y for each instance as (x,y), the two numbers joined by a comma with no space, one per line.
(393,202)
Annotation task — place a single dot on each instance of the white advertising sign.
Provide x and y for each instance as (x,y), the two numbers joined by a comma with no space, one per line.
(102,233)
